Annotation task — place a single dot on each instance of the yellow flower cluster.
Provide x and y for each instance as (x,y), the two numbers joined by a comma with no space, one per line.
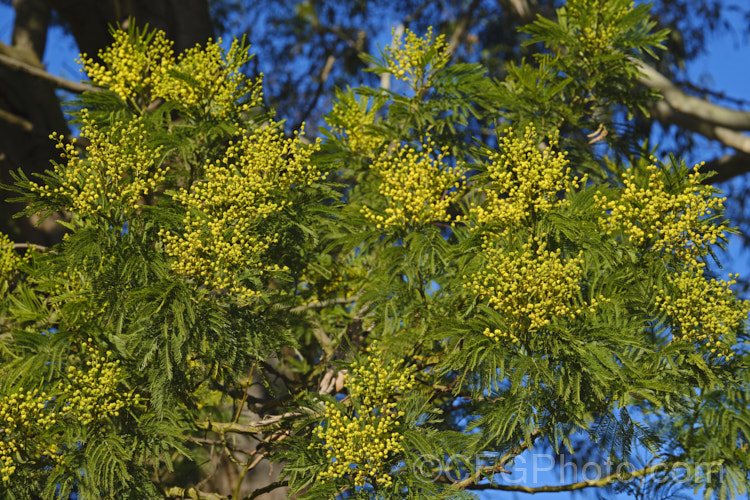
(704,311)
(27,417)
(92,392)
(373,382)
(351,118)
(143,66)
(119,167)
(412,59)
(673,223)
(531,286)
(362,444)
(221,237)
(131,64)
(23,415)
(216,82)
(498,334)
(417,185)
(524,180)
(9,258)
(600,22)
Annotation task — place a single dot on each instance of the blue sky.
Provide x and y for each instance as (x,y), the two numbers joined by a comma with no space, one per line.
(725,68)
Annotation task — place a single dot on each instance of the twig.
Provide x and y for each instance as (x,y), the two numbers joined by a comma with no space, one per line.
(473,481)
(589,483)
(57,81)
(266,489)
(324,303)
(16,120)
(322,79)
(34,246)
(176,491)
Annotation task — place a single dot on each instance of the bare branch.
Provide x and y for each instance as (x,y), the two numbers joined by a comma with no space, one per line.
(665,113)
(695,108)
(322,79)
(589,483)
(472,481)
(251,428)
(40,248)
(727,167)
(324,303)
(16,121)
(462,26)
(267,489)
(57,81)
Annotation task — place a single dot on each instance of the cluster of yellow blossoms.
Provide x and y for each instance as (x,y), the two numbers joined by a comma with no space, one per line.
(9,258)
(412,59)
(363,440)
(120,167)
(417,185)
(531,286)
(601,20)
(92,392)
(131,63)
(701,310)
(524,180)
(221,237)
(142,66)
(220,84)
(27,418)
(673,223)
(351,118)
(23,416)
(704,311)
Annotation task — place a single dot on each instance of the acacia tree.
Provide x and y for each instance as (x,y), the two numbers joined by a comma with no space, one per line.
(398,309)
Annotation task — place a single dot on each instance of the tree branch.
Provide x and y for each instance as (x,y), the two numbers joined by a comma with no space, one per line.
(16,121)
(267,489)
(57,81)
(34,246)
(589,483)
(462,26)
(251,428)
(322,79)
(324,303)
(710,120)
(727,167)
(192,493)
(665,113)
(472,481)
(695,108)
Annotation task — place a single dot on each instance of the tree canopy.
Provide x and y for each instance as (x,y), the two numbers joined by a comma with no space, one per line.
(462,266)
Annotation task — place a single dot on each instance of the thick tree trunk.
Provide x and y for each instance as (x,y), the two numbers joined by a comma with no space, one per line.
(29,112)
(186,22)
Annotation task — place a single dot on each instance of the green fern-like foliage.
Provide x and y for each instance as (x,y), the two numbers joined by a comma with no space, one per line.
(396,310)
